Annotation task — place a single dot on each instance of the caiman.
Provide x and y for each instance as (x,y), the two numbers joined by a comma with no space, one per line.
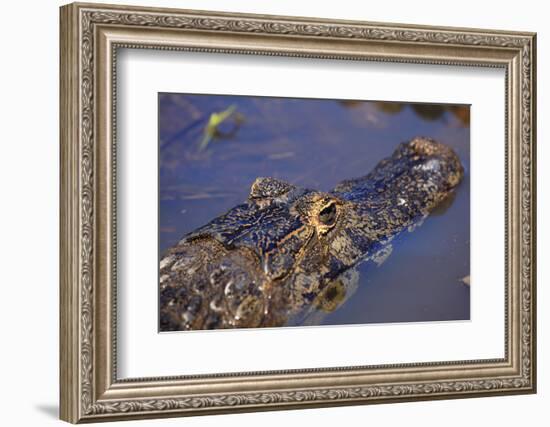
(288,252)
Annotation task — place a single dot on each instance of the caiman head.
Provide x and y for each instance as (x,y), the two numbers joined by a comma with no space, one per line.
(286,248)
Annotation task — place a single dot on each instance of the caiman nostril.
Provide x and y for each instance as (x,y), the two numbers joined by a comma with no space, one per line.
(426,146)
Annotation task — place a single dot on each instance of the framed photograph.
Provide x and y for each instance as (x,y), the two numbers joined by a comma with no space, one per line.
(266,212)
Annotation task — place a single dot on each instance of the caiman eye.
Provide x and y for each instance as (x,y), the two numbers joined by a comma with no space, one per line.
(327,215)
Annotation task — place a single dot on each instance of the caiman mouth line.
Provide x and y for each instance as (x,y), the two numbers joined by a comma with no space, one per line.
(288,252)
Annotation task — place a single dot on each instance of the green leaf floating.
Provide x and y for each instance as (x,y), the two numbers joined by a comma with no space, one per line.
(211,128)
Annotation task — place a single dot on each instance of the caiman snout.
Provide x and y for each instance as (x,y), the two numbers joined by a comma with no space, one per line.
(439,158)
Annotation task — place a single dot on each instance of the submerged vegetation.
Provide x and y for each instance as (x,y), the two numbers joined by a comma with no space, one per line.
(213,127)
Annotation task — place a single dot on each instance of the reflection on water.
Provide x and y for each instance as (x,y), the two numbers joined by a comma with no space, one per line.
(316,144)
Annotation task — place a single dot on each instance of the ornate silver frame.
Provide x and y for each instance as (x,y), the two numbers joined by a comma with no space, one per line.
(90,36)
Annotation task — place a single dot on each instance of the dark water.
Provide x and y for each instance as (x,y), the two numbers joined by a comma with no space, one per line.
(316,144)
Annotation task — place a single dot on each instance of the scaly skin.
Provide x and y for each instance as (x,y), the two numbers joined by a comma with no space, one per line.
(287,252)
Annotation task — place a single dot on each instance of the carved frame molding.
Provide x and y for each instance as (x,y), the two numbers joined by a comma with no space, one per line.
(90,37)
